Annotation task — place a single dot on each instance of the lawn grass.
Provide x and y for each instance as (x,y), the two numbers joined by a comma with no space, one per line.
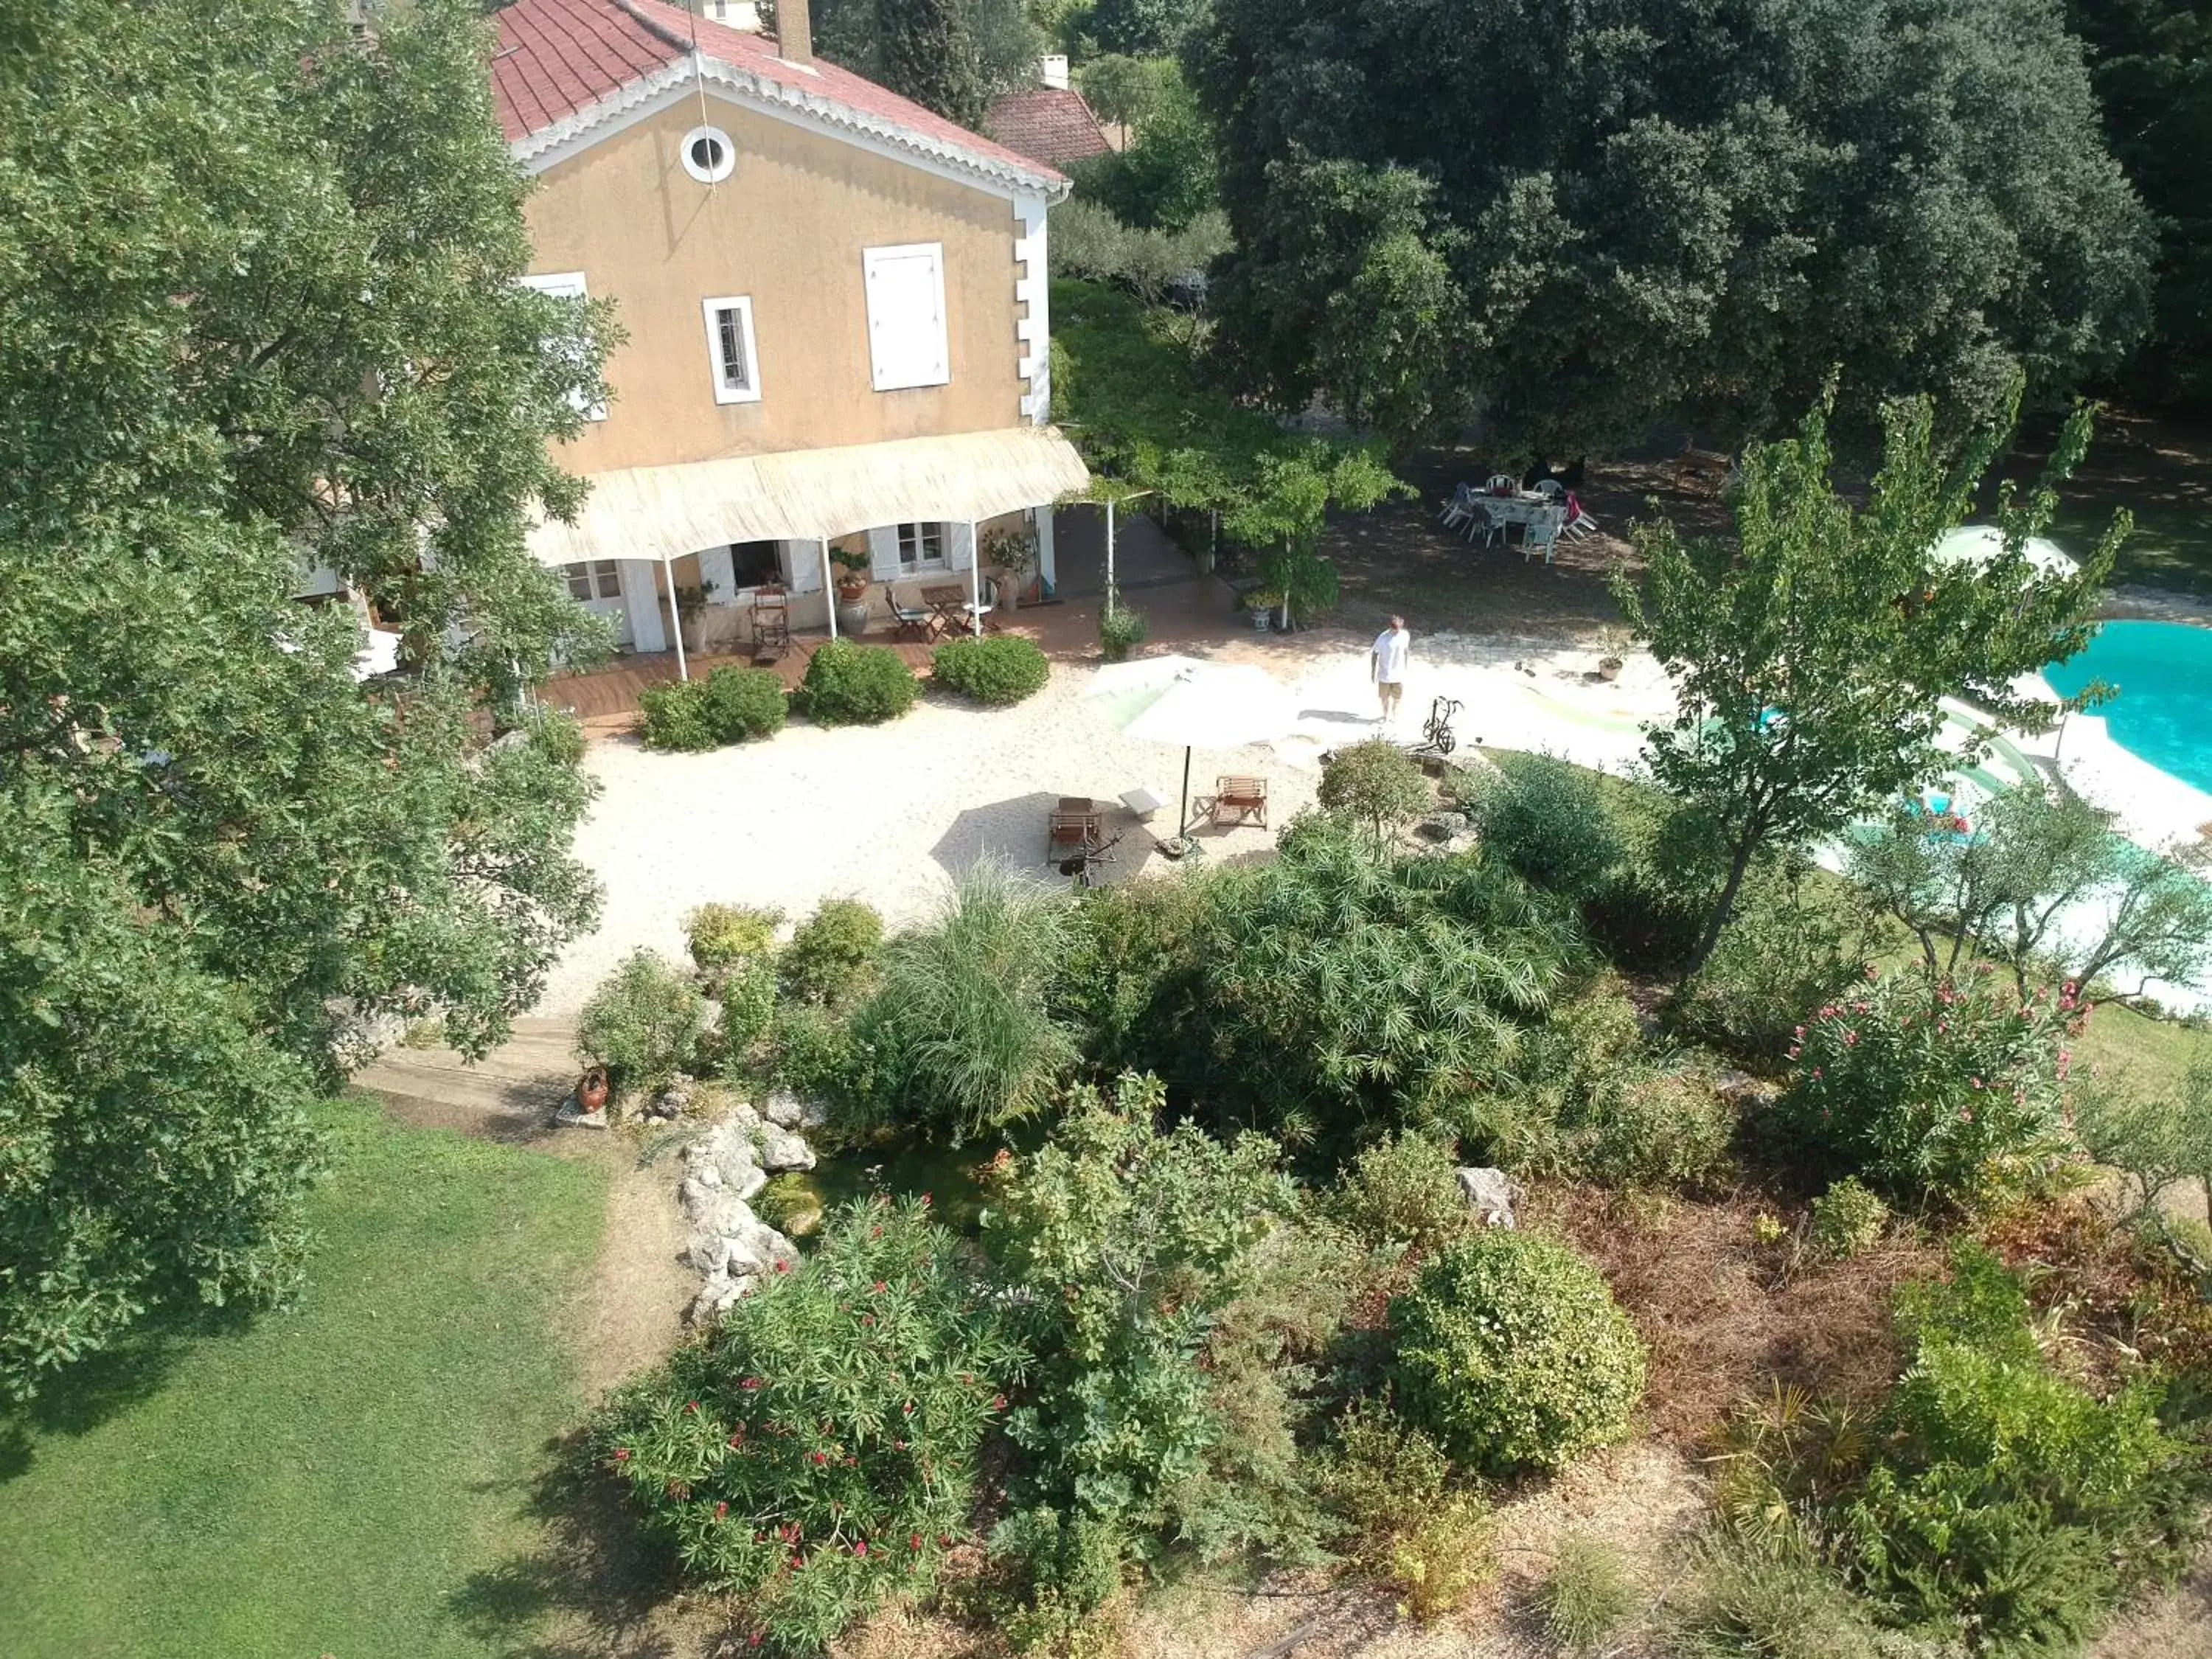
(325,1480)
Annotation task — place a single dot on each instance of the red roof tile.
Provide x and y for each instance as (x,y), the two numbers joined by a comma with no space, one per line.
(556,57)
(1051,124)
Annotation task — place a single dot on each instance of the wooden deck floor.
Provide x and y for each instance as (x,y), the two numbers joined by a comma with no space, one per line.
(606,701)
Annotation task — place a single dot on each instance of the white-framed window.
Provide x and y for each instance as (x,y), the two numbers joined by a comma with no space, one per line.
(596,578)
(708,155)
(921,547)
(907,335)
(572,349)
(730,349)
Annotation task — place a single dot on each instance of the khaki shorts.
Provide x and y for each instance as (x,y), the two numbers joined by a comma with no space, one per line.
(1391,690)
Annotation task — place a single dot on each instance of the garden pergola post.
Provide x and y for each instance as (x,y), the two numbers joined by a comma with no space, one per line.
(828,587)
(675,616)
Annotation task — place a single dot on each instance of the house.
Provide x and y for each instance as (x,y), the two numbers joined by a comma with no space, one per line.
(835,318)
(1049,123)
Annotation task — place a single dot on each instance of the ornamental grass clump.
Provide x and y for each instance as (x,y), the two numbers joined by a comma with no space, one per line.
(817,1451)
(1511,1351)
(995,672)
(1933,1092)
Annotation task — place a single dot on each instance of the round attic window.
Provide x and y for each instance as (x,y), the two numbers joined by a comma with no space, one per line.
(708,155)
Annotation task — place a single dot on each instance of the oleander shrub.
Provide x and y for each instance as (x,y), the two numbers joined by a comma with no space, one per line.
(1551,822)
(1932,1092)
(1121,631)
(1403,1189)
(849,684)
(996,669)
(818,1450)
(718,935)
(730,705)
(746,991)
(643,1023)
(1847,1218)
(832,955)
(1511,1351)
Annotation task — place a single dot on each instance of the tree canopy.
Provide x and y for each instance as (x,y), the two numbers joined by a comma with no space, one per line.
(950,56)
(2151,62)
(1812,650)
(1587,214)
(259,314)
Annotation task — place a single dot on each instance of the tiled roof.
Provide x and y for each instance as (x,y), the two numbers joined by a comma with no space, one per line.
(557,59)
(1051,124)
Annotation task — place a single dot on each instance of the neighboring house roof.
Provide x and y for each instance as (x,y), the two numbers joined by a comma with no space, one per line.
(1051,124)
(567,67)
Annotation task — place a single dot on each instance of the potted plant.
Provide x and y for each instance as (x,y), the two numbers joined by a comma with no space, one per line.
(852,585)
(690,603)
(1013,554)
(1611,643)
(1261,602)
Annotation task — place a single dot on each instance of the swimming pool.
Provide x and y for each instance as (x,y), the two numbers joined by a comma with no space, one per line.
(2163,671)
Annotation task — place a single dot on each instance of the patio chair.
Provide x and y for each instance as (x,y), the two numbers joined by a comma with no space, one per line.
(1479,523)
(1540,536)
(1579,523)
(1076,822)
(1239,800)
(914,620)
(1456,511)
(1502,483)
(1552,488)
(771,621)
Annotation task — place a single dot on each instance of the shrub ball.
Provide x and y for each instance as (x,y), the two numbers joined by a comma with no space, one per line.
(1511,1351)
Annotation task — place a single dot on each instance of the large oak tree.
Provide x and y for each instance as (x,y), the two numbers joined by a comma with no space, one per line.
(258,312)
(1580,215)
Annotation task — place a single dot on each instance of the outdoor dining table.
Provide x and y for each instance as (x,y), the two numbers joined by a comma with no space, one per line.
(1526,509)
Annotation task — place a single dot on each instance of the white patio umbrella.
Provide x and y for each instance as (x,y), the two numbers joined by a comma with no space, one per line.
(1981,544)
(1190,704)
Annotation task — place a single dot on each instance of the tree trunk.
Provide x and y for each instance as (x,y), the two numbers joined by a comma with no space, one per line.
(1723,907)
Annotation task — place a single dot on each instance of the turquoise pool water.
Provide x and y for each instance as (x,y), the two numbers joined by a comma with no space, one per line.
(2163,671)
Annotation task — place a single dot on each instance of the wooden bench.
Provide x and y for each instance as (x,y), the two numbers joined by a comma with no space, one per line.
(1239,800)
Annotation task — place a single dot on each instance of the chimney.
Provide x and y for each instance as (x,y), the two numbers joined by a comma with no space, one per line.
(1054,72)
(794,32)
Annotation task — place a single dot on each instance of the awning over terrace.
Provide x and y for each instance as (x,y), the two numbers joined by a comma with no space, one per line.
(663,513)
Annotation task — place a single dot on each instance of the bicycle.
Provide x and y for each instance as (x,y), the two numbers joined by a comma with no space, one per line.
(1436,737)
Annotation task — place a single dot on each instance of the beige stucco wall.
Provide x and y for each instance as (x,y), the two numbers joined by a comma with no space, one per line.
(786,229)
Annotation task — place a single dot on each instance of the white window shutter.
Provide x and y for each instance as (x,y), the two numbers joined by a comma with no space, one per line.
(804,561)
(883,553)
(960,545)
(907,339)
(719,574)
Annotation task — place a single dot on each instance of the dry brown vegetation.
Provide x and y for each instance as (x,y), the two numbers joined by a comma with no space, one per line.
(1726,1316)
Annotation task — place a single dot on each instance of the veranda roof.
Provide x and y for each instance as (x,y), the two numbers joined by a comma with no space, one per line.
(812,495)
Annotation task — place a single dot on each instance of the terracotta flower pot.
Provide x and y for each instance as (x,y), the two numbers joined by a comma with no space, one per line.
(591,1092)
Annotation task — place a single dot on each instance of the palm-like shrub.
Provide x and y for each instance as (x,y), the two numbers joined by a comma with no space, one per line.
(1335,989)
(1511,1351)
(849,684)
(818,1450)
(644,1023)
(994,669)
(963,1039)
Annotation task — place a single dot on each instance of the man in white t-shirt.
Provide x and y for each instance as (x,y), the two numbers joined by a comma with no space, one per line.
(1387,663)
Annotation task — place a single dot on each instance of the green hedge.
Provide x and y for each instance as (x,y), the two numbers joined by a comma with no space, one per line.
(990,671)
(730,705)
(1513,1353)
(849,684)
